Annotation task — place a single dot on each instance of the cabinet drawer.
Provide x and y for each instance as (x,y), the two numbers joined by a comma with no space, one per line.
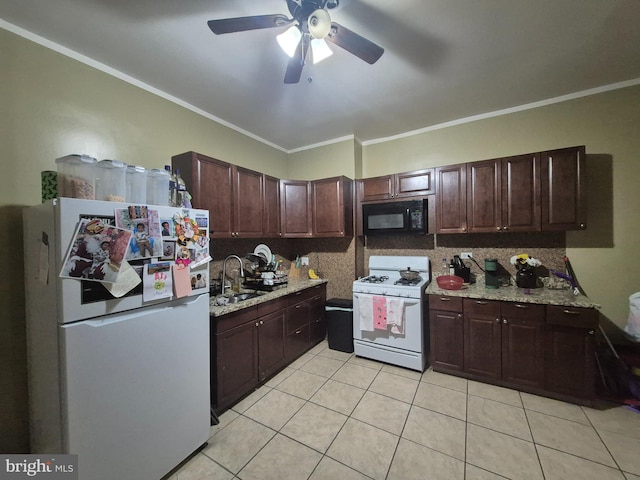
(272,306)
(297,317)
(443,302)
(572,317)
(232,320)
(523,311)
(300,296)
(481,307)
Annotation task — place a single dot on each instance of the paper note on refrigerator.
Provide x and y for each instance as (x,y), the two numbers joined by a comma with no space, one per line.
(157,281)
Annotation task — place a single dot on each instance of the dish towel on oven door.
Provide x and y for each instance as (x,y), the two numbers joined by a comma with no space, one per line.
(379,312)
(395,315)
(365,303)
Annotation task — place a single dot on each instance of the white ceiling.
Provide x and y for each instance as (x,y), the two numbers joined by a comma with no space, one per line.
(444,60)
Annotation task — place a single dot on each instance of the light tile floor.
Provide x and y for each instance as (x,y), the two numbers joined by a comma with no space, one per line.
(331,415)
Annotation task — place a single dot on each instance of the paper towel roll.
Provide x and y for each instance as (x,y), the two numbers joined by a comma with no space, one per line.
(49,184)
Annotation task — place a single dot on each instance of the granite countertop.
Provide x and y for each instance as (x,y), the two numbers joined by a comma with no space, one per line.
(512,293)
(218,310)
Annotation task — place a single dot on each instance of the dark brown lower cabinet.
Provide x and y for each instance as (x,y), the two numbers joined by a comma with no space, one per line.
(570,351)
(523,338)
(482,338)
(446,333)
(252,344)
(542,349)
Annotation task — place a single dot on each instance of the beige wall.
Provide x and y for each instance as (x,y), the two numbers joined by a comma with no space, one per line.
(609,125)
(322,162)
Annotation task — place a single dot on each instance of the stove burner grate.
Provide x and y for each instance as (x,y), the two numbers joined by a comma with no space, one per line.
(375,279)
(410,283)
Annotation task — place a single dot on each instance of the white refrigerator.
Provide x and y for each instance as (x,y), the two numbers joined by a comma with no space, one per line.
(121,382)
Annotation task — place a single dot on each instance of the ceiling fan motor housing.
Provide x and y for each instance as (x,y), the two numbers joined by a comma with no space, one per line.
(319,23)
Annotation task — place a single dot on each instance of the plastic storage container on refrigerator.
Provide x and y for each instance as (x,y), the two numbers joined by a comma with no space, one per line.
(158,187)
(77,176)
(111,180)
(136,185)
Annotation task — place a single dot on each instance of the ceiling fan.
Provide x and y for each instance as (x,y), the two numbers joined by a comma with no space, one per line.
(310,25)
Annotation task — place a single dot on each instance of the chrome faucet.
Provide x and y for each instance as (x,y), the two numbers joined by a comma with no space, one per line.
(224,270)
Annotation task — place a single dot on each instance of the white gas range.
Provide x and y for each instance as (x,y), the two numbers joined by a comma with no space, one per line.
(388,311)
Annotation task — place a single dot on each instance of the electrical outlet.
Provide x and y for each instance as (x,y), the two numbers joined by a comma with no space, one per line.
(304,260)
(465,255)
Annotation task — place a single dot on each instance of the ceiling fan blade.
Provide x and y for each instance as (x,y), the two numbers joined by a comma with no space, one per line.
(241,24)
(294,68)
(354,43)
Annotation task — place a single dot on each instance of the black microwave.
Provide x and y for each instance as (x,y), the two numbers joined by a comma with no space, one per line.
(402,217)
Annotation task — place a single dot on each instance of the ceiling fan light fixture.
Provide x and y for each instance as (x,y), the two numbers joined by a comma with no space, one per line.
(289,40)
(320,50)
(319,23)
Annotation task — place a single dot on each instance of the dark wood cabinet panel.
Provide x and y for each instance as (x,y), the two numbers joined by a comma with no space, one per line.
(271,354)
(521,193)
(295,208)
(482,338)
(407,184)
(523,337)
(271,211)
(569,361)
(415,183)
(210,182)
(377,188)
(446,340)
(332,210)
(563,189)
(451,199)
(317,317)
(484,196)
(248,203)
(236,366)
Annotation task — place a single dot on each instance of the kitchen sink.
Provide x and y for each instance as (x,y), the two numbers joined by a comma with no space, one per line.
(241,297)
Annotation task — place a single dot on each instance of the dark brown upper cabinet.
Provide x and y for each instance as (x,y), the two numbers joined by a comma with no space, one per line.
(234,196)
(397,185)
(271,212)
(504,195)
(451,199)
(563,189)
(332,207)
(295,208)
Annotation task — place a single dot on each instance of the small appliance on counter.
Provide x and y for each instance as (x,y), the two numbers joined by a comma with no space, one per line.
(461,270)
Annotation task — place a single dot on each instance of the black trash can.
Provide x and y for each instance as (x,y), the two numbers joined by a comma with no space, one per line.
(340,324)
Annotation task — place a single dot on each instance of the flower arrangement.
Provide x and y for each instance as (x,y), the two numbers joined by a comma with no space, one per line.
(523,260)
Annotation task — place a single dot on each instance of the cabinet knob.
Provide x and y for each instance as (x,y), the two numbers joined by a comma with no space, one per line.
(298,332)
(497,320)
(261,322)
(505,228)
(459,315)
(464,229)
(591,332)
(504,320)
(582,225)
(256,324)
(499,228)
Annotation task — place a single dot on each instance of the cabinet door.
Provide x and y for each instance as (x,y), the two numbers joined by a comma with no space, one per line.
(484,192)
(271,212)
(563,189)
(482,338)
(271,343)
(521,193)
(236,363)
(297,330)
(446,339)
(248,203)
(210,183)
(523,337)
(295,208)
(451,199)
(377,188)
(415,183)
(332,207)
(317,319)
(569,361)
